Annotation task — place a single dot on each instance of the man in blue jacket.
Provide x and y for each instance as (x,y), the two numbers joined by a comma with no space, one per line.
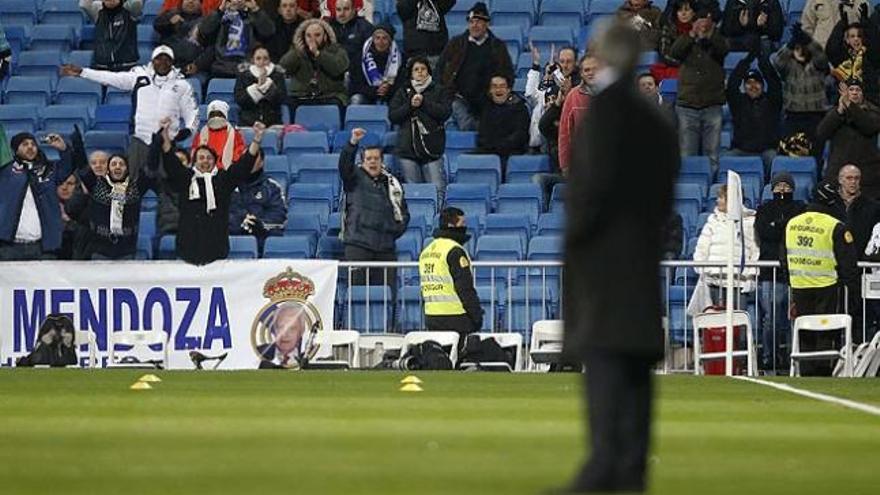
(30,213)
(258,208)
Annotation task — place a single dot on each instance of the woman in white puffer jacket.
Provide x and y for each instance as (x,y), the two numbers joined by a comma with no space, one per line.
(713,246)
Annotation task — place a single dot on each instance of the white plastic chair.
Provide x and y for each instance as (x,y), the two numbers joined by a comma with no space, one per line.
(714,320)
(512,339)
(137,339)
(87,338)
(546,344)
(329,341)
(445,339)
(822,323)
(371,347)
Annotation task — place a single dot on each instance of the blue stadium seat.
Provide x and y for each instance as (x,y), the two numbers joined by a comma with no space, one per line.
(296,144)
(472,198)
(547,37)
(303,224)
(87,37)
(294,246)
(62,12)
(685,192)
(521,198)
(19,118)
(493,304)
(509,224)
(318,117)
(167,248)
(270,139)
(196,86)
(221,89)
(82,58)
(689,213)
(242,247)
(602,8)
(550,224)
(330,248)
(519,13)
(521,168)
(150,201)
(408,246)
(523,64)
(458,13)
(371,309)
(411,313)
(420,224)
(478,169)
(39,63)
(147,36)
(28,90)
(545,248)
(512,36)
(794,165)
(113,118)
(459,142)
(557,199)
(528,306)
(311,198)
(421,199)
(373,118)
(62,118)
(116,96)
(696,167)
(17,36)
(732,59)
(144,249)
(78,91)
(563,13)
(56,37)
(147,224)
(669,89)
(745,166)
(151,11)
(318,169)
(341,139)
(334,224)
(276,166)
(18,12)
(499,248)
(109,141)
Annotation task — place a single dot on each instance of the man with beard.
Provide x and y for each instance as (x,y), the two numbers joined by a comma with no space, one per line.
(30,214)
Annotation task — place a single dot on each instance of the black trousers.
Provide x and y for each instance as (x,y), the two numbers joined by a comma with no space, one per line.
(618,393)
(377,276)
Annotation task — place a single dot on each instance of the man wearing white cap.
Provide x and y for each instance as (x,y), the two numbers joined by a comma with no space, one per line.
(159,90)
(219,135)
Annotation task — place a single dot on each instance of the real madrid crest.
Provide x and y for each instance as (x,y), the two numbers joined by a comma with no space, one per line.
(283,332)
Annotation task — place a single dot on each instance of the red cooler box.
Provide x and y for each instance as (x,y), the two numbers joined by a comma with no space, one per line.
(713,340)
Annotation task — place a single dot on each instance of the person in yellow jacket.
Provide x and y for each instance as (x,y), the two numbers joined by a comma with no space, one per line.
(820,259)
(447,281)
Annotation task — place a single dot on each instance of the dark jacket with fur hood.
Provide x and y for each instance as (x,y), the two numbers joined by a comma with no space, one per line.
(328,70)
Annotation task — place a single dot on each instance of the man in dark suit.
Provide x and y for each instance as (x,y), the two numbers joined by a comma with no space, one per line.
(612,293)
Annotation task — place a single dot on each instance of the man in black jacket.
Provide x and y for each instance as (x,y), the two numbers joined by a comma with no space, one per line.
(286,22)
(116,43)
(468,62)
(351,31)
(177,28)
(755,112)
(451,301)
(375,213)
(618,343)
(504,125)
(747,22)
(770,222)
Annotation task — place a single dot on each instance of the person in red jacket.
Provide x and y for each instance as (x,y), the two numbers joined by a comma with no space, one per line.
(576,103)
(219,135)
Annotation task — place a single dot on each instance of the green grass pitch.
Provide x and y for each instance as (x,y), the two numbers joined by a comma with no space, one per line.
(211,433)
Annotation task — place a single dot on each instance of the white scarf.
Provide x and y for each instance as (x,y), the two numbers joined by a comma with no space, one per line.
(118,192)
(371,70)
(395,195)
(420,87)
(210,201)
(228,148)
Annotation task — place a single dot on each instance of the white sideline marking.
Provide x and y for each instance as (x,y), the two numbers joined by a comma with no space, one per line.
(815,395)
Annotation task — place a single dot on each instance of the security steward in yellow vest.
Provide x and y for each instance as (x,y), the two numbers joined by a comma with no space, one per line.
(451,301)
(820,258)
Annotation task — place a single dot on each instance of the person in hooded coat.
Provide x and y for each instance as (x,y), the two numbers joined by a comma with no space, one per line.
(204,192)
(316,65)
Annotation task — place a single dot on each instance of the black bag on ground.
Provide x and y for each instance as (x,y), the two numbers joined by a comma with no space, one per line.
(487,350)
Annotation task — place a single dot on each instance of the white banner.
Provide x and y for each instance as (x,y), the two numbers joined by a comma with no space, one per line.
(254,311)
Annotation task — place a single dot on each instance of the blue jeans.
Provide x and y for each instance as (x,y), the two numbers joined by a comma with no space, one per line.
(415,173)
(700,132)
(463,115)
(774,301)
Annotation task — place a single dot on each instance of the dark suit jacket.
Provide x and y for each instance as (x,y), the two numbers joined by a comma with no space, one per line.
(625,160)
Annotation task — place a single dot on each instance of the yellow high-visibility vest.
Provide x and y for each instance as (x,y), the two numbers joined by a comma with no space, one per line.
(438,288)
(809,246)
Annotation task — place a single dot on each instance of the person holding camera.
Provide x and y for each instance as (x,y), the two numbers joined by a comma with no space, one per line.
(701,94)
(316,65)
(560,75)
(421,109)
(746,21)
(233,31)
(30,214)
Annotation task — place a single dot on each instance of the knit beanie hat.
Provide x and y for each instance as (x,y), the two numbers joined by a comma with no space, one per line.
(20,138)
(782,177)
(387,27)
(479,11)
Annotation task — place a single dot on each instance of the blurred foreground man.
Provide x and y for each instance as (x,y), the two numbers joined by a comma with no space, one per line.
(612,258)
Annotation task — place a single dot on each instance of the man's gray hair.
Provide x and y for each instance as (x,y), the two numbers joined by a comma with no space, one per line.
(616,44)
